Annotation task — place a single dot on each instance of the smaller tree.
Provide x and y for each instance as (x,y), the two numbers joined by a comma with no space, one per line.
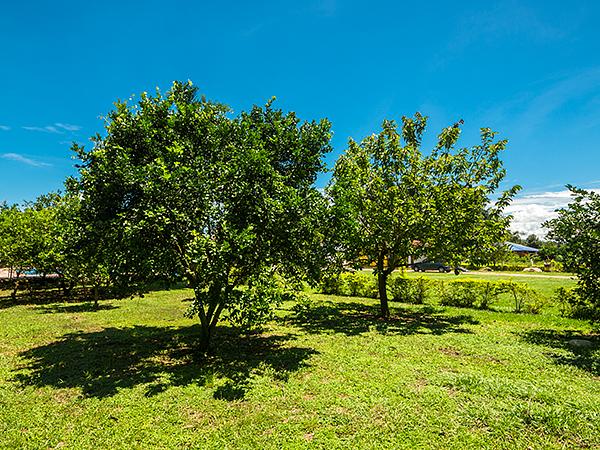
(534,241)
(27,237)
(577,229)
(391,202)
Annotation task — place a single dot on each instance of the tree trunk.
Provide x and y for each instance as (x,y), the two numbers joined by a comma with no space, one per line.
(208,323)
(382,275)
(15,289)
(205,333)
(383,298)
(96,296)
(209,317)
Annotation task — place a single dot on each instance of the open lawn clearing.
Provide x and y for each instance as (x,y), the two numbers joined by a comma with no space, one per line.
(559,275)
(331,375)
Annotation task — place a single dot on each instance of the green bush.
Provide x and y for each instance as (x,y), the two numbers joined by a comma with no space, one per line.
(469,293)
(571,305)
(525,298)
(410,290)
(488,293)
(462,294)
(303,303)
(354,284)
(331,284)
(359,284)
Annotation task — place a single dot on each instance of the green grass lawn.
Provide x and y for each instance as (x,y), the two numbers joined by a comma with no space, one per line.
(545,285)
(329,376)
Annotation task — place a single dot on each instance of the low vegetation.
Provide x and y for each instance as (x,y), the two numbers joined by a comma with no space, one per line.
(326,372)
(517,293)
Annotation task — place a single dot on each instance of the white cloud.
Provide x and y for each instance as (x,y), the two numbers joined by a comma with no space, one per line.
(46,129)
(57,128)
(23,159)
(68,126)
(531,210)
(4,128)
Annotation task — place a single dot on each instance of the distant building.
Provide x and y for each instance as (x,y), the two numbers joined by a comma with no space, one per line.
(521,249)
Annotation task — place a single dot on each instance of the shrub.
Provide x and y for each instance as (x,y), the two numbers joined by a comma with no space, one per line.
(571,305)
(410,290)
(469,293)
(462,294)
(359,284)
(303,303)
(354,284)
(331,284)
(488,293)
(525,298)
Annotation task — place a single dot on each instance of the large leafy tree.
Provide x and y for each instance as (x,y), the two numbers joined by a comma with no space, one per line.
(577,231)
(178,188)
(391,202)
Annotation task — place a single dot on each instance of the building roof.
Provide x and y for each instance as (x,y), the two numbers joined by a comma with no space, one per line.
(520,248)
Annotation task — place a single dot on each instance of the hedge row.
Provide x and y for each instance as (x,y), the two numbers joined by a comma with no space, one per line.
(353,284)
(463,293)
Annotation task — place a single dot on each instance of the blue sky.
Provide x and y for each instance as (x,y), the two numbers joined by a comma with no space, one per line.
(530,70)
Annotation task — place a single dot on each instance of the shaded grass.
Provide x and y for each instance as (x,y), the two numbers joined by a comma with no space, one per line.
(559,348)
(330,375)
(155,357)
(354,318)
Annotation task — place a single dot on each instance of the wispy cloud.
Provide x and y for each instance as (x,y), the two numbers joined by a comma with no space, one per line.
(528,111)
(23,159)
(46,129)
(68,126)
(4,128)
(530,211)
(492,24)
(57,128)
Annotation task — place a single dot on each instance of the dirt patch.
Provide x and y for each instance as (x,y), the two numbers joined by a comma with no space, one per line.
(450,351)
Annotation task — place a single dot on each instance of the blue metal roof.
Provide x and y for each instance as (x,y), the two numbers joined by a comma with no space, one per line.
(520,248)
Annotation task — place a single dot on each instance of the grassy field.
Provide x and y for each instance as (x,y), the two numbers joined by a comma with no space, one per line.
(331,375)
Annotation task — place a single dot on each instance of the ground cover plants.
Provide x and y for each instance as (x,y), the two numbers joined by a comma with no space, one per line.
(329,374)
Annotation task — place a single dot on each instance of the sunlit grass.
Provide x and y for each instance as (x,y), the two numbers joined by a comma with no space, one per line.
(331,375)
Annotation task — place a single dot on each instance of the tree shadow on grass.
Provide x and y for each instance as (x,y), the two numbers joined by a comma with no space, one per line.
(45,297)
(75,295)
(73,308)
(103,362)
(586,358)
(353,318)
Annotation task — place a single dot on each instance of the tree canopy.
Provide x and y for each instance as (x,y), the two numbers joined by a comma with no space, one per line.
(391,202)
(577,230)
(178,188)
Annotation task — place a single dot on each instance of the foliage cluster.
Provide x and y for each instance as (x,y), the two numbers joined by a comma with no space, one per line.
(392,201)
(572,305)
(353,284)
(47,236)
(577,230)
(410,290)
(468,293)
(462,293)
